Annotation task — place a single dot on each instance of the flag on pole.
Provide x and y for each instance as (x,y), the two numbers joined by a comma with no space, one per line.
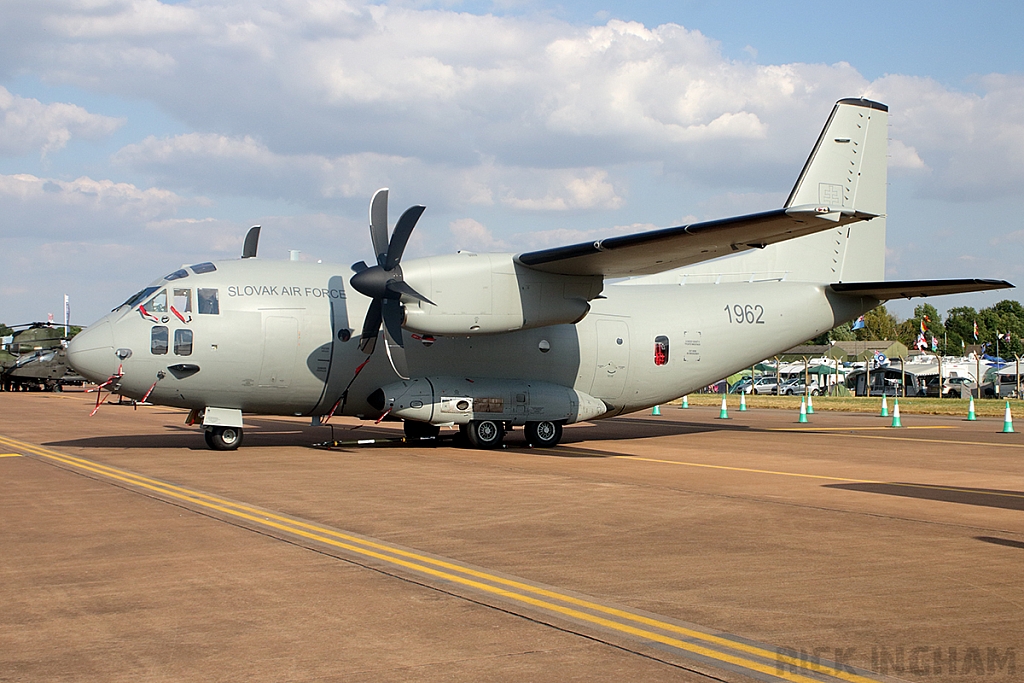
(935,344)
(858,324)
(924,324)
(67,314)
(975,330)
(922,343)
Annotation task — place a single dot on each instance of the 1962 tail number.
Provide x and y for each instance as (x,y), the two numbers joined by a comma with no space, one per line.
(749,314)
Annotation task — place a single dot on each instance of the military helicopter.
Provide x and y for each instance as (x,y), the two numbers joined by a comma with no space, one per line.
(35,359)
(534,340)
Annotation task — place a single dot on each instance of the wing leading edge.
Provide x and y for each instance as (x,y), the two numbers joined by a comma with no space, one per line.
(656,251)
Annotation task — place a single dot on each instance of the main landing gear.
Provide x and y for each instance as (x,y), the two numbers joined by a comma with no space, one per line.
(488,434)
(544,434)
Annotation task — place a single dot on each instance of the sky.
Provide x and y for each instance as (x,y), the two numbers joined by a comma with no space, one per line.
(137,136)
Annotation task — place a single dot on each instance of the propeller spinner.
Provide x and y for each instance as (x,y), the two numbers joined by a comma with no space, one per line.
(383,282)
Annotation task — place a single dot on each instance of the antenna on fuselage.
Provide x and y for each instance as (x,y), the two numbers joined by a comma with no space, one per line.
(252,241)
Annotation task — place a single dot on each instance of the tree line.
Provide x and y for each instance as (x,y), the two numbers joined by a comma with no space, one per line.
(952,335)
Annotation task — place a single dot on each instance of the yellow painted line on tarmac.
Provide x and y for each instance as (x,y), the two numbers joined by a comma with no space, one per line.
(780,665)
(10,455)
(937,487)
(952,442)
(746,469)
(852,429)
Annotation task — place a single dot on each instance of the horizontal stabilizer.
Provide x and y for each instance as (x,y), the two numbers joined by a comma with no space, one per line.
(907,289)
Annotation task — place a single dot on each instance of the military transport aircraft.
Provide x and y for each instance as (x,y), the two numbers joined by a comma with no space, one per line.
(489,342)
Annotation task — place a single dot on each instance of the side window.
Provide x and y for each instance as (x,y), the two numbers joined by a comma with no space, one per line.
(661,350)
(182,300)
(183,342)
(158,341)
(208,301)
(158,304)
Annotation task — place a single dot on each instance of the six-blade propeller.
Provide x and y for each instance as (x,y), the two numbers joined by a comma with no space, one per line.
(383,282)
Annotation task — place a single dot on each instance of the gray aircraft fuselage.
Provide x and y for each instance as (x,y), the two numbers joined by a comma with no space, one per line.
(283,340)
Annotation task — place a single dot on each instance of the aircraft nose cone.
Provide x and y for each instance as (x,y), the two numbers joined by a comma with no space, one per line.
(91,352)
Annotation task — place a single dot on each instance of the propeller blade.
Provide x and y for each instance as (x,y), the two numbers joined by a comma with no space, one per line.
(396,354)
(371,327)
(394,316)
(379,224)
(359,266)
(400,237)
(402,287)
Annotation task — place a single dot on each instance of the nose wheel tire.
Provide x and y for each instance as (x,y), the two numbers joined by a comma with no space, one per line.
(544,434)
(484,434)
(223,438)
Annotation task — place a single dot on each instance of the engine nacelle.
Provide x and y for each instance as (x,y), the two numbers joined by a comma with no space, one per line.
(491,293)
(458,400)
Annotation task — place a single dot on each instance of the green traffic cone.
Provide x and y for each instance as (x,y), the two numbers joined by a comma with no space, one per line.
(885,407)
(803,411)
(896,414)
(810,406)
(743,402)
(724,414)
(971,417)
(1007,420)
(686,404)
(656,411)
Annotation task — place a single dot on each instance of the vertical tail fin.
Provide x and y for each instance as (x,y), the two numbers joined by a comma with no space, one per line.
(846,169)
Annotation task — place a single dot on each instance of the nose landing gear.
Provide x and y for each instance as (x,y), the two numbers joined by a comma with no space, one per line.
(223,438)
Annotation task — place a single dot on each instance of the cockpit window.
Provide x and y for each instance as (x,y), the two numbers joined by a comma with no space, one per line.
(201,268)
(158,340)
(183,342)
(182,301)
(208,300)
(134,299)
(158,304)
(177,275)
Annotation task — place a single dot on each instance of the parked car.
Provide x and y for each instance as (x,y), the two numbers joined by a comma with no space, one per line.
(765,384)
(951,387)
(796,387)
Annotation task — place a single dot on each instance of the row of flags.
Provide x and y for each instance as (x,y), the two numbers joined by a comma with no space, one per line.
(922,337)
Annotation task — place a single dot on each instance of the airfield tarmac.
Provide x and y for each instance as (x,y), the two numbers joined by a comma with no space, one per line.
(671,548)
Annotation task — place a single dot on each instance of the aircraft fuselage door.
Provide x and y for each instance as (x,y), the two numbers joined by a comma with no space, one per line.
(280,345)
(612,359)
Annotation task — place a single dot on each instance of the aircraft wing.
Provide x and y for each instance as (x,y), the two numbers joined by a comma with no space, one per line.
(667,248)
(906,289)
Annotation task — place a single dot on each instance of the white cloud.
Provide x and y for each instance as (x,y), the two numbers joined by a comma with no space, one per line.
(247,166)
(27,125)
(968,146)
(323,101)
(27,195)
(472,235)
